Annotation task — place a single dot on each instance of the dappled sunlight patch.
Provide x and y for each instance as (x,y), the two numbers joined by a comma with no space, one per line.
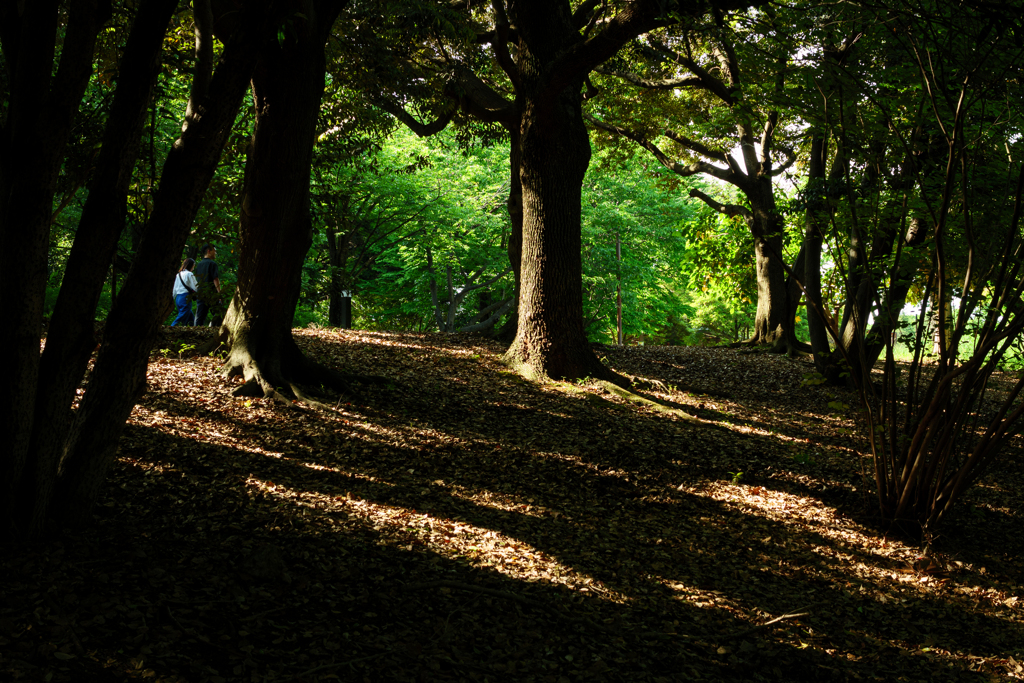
(411,530)
(567,509)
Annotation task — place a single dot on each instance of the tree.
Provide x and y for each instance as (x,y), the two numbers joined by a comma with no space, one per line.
(724,74)
(276,228)
(421,219)
(549,70)
(60,455)
(634,243)
(554,50)
(934,428)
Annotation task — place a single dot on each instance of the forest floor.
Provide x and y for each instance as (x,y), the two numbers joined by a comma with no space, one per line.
(462,524)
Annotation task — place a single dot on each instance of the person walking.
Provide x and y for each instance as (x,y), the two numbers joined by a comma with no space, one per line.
(208,275)
(185,288)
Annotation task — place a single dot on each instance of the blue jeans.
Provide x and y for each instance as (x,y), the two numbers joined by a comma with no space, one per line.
(184,310)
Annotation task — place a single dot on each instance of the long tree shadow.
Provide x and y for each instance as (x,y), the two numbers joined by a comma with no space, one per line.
(433,535)
(643,561)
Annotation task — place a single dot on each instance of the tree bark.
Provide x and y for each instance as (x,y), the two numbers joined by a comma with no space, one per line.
(554,151)
(772,317)
(119,375)
(276,229)
(70,335)
(33,137)
(815,226)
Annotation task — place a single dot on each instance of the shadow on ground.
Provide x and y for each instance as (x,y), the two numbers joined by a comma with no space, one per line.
(466,525)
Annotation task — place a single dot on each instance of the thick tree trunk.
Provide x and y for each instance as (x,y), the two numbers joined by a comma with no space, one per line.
(119,375)
(770,319)
(276,230)
(554,150)
(40,106)
(789,343)
(766,225)
(774,319)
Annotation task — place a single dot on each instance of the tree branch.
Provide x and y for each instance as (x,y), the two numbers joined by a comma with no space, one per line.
(722,90)
(481,101)
(503,307)
(731,210)
(725,175)
(500,43)
(421,129)
(695,146)
(663,84)
(203,18)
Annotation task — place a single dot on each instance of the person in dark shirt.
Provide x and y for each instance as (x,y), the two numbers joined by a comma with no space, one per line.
(207,272)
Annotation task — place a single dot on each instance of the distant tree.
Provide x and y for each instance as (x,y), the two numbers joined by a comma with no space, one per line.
(692,96)
(634,246)
(422,220)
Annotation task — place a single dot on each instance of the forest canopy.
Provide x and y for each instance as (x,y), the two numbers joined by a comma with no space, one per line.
(842,181)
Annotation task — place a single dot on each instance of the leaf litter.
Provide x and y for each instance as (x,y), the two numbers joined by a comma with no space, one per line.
(462,524)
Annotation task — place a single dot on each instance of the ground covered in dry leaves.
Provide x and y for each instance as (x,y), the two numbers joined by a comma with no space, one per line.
(462,524)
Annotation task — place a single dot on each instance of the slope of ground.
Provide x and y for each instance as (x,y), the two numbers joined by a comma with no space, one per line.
(461,524)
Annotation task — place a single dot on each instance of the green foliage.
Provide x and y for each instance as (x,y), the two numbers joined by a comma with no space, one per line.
(813,379)
(405,215)
(628,202)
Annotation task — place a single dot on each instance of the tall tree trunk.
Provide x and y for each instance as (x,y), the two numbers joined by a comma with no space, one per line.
(554,149)
(276,230)
(119,375)
(70,335)
(767,227)
(815,226)
(40,107)
(789,343)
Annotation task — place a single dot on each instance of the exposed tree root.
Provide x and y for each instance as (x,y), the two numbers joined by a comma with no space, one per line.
(289,377)
(637,399)
(745,343)
(597,371)
(776,344)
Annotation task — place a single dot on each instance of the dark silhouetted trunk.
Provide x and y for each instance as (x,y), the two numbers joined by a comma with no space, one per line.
(119,375)
(40,104)
(54,477)
(816,220)
(70,335)
(276,229)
